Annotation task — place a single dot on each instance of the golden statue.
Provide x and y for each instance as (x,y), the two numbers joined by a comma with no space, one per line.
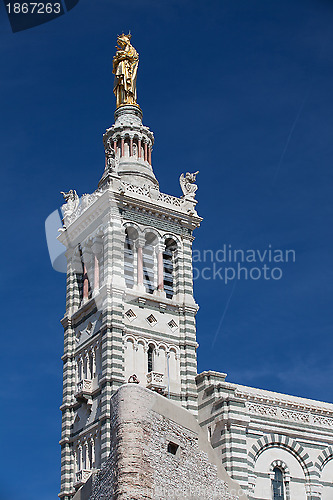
(125,68)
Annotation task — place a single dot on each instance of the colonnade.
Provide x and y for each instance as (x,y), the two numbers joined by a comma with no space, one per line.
(151,262)
(165,360)
(85,453)
(86,363)
(133,146)
(92,268)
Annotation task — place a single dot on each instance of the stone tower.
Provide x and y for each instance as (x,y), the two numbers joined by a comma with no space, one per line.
(129,302)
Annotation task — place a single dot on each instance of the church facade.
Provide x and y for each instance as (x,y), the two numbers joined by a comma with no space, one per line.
(130,351)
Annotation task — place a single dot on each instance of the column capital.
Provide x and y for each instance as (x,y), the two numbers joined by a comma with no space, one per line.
(97,246)
(140,242)
(160,247)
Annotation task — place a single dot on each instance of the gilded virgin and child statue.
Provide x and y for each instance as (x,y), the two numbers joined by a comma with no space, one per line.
(125,68)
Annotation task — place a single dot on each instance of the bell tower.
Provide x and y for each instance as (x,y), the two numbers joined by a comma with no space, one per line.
(130,311)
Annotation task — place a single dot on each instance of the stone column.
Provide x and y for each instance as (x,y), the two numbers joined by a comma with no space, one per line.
(92,442)
(145,151)
(131,146)
(75,461)
(139,148)
(139,244)
(115,146)
(140,266)
(149,155)
(86,366)
(159,249)
(85,283)
(80,369)
(122,147)
(80,453)
(96,273)
(93,355)
(84,455)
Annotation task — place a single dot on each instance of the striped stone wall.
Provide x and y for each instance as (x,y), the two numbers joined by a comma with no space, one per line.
(253,431)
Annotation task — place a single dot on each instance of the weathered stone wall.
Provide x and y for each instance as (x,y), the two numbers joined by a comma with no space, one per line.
(140,466)
(188,474)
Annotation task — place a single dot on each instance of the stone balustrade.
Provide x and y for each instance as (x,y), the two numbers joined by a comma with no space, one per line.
(81,477)
(155,381)
(84,388)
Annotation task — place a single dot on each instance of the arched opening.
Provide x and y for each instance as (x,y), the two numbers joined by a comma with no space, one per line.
(127,147)
(148,257)
(150,366)
(129,256)
(169,267)
(277,484)
(129,358)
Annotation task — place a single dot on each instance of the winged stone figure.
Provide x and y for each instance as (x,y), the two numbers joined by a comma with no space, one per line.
(187,184)
(72,202)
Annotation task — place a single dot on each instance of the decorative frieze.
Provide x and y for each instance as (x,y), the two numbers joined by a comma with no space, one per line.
(262,409)
(322,420)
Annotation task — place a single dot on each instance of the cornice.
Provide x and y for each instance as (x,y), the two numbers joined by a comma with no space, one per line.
(165,206)
(275,399)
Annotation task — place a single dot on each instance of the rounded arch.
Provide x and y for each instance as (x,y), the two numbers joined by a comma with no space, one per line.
(325,456)
(143,342)
(175,238)
(171,278)
(132,229)
(131,234)
(284,442)
(129,338)
(174,349)
(151,235)
(162,345)
(152,343)
(280,465)
(171,243)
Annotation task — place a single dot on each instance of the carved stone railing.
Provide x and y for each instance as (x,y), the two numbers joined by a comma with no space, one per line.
(171,200)
(155,381)
(146,191)
(305,415)
(152,193)
(132,188)
(82,476)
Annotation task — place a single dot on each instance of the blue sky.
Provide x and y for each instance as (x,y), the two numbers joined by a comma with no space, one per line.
(240,90)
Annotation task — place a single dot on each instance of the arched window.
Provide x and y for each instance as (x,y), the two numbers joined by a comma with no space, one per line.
(148,253)
(83,279)
(127,147)
(150,358)
(277,484)
(169,267)
(129,257)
